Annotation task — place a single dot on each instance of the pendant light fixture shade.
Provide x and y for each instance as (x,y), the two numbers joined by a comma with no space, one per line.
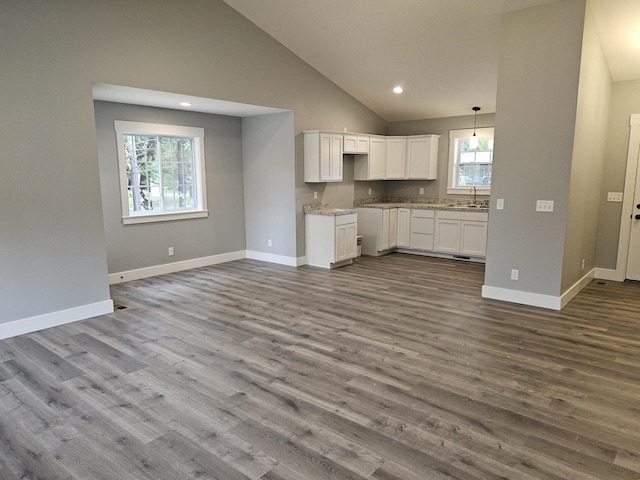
(473,141)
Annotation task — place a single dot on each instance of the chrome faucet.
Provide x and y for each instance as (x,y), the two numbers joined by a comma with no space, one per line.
(474,195)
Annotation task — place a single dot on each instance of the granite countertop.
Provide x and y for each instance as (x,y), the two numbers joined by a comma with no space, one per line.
(321,209)
(429,206)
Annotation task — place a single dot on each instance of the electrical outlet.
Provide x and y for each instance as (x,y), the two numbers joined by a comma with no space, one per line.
(315,195)
(369,191)
(500,204)
(515,274)
(269,243)
(421,190)
(583,264)
(171,252)
(614,197)
(544,206)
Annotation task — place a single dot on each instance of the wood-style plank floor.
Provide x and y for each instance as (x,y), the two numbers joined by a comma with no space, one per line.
(392,368)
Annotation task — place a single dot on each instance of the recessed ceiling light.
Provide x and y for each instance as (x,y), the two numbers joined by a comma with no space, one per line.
(185,104)
(398,89)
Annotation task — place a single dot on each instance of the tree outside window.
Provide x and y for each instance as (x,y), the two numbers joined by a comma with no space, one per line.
(161,171)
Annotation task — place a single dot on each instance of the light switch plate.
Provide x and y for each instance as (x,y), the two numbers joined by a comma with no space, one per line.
(614,197)
(544,206)
(500,204)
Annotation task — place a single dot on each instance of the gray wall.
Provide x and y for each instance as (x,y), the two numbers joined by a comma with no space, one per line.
(52,244)
(269,183)
(587,166)
(540,51)
(439,126)
(144,245)
(625,100)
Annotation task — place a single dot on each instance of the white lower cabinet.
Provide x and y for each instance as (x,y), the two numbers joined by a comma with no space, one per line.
(379,229)
(330,240)
(422,228)
(461,233)
(404,228)
(442,231)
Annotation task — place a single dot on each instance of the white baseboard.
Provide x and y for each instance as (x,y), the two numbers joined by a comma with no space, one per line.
(550,302)
(175,267)
(576,287)
(54,319)
(525,298)
(609,274)
(272,258)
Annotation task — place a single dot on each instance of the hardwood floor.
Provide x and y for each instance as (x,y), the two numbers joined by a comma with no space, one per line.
(392,368)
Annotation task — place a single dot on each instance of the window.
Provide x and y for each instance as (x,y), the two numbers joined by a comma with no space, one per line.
(162,173)
(470,167)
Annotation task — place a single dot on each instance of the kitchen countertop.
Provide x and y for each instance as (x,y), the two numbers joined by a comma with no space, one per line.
(429,206)
(330,211)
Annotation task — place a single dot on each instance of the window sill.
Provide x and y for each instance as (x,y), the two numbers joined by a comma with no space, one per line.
(468,191)
(164,217)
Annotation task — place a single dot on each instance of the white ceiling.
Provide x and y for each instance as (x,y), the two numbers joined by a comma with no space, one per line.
(444,53)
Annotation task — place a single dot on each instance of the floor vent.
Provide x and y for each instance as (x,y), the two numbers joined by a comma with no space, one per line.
(117,306)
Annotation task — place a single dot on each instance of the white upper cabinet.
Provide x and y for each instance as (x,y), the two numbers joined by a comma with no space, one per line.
(374,165)
(322,157)
(356,143)
(422,157)
(396,158)
(376,157)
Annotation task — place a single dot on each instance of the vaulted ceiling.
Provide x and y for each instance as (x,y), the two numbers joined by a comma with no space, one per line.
(444,53)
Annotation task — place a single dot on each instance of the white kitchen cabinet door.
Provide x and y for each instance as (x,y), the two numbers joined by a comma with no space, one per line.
(322,157)
(346,242)
(422,157)
(473,238)
(396,158)
(393,227)
(356,143)
(385,229)
(404,227)
(373,165)
(377,158)
(447,236)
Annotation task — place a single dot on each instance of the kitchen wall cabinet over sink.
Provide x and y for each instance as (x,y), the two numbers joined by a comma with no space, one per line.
(322,157)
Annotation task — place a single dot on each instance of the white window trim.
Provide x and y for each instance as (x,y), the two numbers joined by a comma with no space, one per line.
(123,127)
(453,136)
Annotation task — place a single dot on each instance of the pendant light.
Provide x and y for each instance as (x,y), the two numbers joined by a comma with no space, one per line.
(473,141)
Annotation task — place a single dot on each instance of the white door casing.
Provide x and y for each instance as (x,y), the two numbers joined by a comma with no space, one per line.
(628,263)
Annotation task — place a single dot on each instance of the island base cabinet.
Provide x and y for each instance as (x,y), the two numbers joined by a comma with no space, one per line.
(330,240)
